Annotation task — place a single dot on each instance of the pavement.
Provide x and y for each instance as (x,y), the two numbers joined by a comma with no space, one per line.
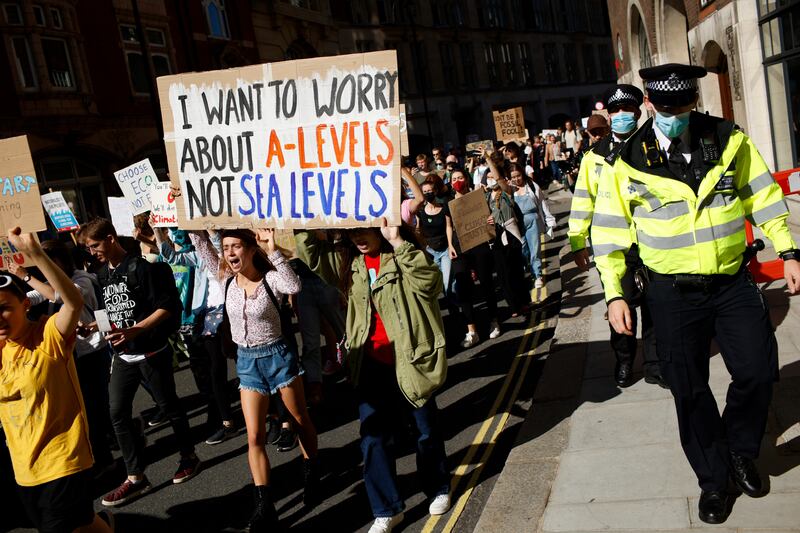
(591,457)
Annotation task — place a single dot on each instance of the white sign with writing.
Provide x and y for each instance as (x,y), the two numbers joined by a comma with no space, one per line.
(164,213)
(135,182)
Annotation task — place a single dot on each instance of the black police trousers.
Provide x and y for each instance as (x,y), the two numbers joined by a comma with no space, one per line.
(733,311)
(624,346)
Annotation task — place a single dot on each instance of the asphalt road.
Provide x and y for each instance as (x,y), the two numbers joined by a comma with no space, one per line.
(483,402)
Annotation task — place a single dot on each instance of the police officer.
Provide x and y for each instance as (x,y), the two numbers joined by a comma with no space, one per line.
(685,183)
(623,103)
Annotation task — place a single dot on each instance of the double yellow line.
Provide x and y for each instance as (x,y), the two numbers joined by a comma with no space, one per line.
(502,417)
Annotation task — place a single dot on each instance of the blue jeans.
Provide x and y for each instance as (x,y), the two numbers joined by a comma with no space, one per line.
(317,300)
(443,261)
(381,407)
(556,171)
(532,245)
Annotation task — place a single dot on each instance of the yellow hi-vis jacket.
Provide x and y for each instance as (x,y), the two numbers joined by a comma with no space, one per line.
(678,231)
(583,199)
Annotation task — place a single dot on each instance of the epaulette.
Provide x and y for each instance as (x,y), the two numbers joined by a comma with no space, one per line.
(614,154)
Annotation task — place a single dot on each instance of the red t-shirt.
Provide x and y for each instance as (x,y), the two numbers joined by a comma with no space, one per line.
(379,347)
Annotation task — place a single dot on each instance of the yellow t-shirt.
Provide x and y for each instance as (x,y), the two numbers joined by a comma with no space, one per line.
(41,406)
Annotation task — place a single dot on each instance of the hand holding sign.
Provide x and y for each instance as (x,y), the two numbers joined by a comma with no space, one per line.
(391,233)
(25,243)
(267,236)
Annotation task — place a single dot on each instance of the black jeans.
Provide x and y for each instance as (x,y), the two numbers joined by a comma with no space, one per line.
(210,370)
(509,264)
(125,380)
(481,260)
(734,312)
(93,373)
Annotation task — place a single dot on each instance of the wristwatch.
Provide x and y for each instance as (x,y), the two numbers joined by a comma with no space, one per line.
(791,254)
(27,278)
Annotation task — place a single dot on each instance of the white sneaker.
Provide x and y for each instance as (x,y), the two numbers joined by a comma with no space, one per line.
(384,524)
(470,340)
(539,283)
(440,504)
(495,330)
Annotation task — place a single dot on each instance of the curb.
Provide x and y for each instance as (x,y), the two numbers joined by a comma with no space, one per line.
(522,490)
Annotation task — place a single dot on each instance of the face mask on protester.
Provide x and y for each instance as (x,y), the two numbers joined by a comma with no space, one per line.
(623,122)
(430,197)
(460,186)
(491,183)
(181,238)
(672,125)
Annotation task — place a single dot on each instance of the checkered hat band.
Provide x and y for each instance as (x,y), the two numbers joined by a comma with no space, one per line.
(672,85)
(621,96)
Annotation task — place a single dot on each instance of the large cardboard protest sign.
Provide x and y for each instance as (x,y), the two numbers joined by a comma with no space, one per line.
(121,215)
(470,213)
(19,190)
(297,144)
(509,124)
(59,212)
(163,214)
(135,182)
(474,147)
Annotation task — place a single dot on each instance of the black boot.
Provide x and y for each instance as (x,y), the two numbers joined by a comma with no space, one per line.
(311,476)
(264,517)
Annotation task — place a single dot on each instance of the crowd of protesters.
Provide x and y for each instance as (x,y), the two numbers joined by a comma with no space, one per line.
(110,314)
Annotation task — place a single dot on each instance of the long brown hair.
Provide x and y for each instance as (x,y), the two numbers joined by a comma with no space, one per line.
(248,238)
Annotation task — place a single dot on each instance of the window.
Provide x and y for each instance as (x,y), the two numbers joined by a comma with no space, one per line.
(645,61)
(542,16)
(468,65)
(448,66)
(128,33)
(607,69)
(526,66)
(13,14)
(55,16)
(359,12)
(24,61)
(312,5)
(161,65)
(494,17)
(138,72)
(156,38)
(38,15)
(421,62)
(589,66)
(569,62)
(59,67)
(551,70)
(508,64)
(217,19)
(490,56)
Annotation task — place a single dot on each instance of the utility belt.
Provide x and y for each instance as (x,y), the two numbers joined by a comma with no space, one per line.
(687,282)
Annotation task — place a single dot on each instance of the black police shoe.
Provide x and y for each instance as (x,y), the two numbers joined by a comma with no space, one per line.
(745,474)
(655,379)
(623,374)
(713,507)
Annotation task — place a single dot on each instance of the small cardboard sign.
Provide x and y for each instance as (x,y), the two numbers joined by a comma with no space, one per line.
(59,212)
(404,147)
(475,146)
(9,255)
(469,220)
(19,190)
(509,124)
(103,324)
(121,215)
(135,182)
(164,213)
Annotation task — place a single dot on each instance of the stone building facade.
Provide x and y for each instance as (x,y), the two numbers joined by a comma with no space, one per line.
(748,47)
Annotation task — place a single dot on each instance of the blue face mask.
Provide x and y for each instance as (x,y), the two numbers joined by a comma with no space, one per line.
(672,125)
(623,122)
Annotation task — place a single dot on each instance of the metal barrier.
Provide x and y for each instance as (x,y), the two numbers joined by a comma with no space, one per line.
(789,180)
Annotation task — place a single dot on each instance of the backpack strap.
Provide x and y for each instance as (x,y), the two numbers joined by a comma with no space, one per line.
(271,294)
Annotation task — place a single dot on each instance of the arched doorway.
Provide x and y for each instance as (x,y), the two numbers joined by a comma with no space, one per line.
(639,42)
(716,63)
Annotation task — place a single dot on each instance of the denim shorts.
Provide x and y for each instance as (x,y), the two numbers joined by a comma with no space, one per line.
(267,367)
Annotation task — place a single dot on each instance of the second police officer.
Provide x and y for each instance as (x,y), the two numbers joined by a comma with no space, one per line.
(683,186)
(623,103)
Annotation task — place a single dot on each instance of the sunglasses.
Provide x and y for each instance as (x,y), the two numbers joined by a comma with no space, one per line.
(6,281)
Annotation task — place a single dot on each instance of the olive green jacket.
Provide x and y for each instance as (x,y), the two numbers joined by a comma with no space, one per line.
(320,256)
(405,295)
